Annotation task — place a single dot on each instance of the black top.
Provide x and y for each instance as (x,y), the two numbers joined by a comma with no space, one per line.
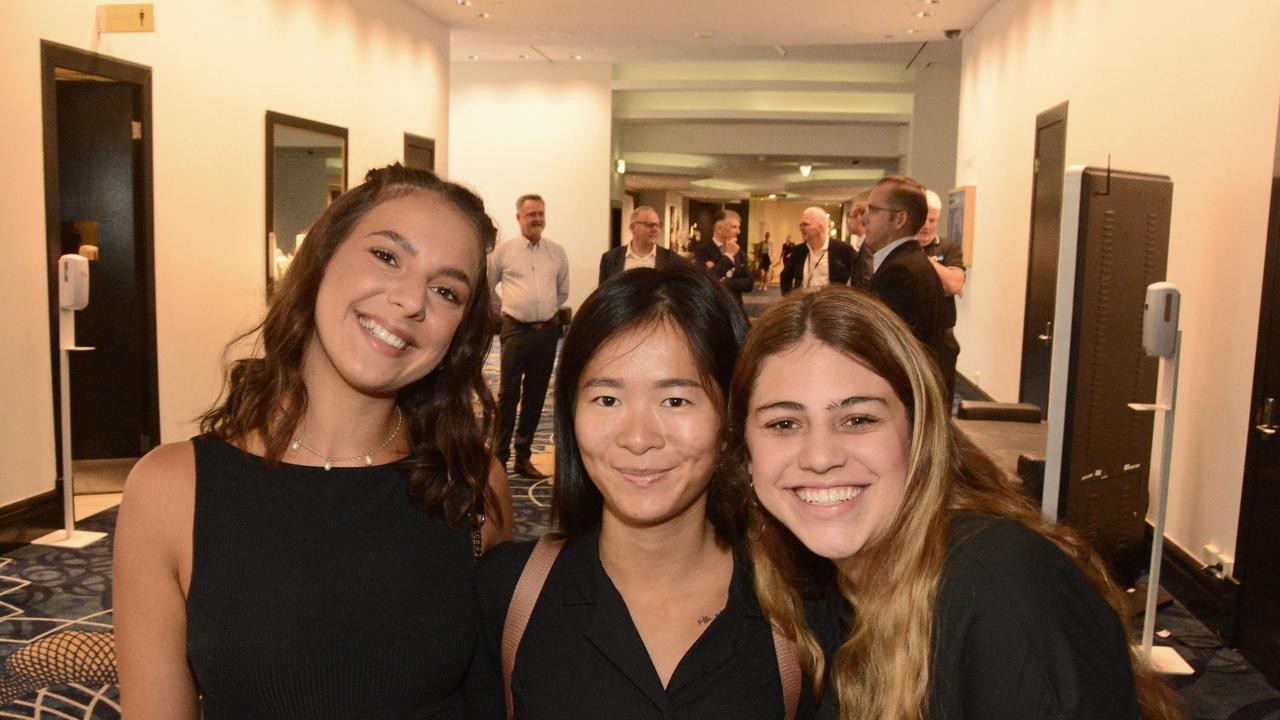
(1021,634)
(950,254)
(614,261)
(323,594)
(582,657)
(712,259)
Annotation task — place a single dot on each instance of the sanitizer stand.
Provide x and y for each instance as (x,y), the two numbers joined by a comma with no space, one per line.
(1164,659)
(73,295)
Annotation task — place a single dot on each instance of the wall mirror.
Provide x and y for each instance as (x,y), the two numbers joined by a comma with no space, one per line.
(306,170)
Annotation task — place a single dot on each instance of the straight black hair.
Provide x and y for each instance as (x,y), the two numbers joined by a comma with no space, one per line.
(709,318)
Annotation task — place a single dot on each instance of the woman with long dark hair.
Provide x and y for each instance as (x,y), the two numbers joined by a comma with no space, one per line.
(311,553)
(969,604)
(647,611)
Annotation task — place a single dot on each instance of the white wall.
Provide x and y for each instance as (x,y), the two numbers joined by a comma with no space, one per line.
(1179,89)
(541,128)
(376,67)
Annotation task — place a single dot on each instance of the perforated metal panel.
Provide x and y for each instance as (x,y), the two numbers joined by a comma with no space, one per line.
(1123,246)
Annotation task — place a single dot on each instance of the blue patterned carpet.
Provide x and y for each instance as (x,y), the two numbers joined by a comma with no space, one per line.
(48,594)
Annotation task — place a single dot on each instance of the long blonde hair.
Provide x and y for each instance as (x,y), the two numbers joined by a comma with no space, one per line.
(882,670)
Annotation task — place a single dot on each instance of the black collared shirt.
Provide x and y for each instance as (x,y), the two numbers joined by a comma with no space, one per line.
(582,657)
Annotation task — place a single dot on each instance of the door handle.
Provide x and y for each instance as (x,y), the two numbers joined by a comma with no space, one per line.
(1047,336)
(1267,418)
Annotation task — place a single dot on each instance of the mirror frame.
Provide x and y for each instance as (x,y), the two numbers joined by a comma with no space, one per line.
(274,119)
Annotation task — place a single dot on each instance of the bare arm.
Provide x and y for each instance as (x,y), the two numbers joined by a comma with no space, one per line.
(499,525)
(952,277)
(152,569)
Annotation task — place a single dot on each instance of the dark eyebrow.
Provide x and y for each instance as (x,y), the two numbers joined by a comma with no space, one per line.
(614,383)
(398,239)
(601,382)
(680,383)
(856,400)
(793,406)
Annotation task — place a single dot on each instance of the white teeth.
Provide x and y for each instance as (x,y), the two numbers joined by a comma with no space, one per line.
(828,496)
(382,333)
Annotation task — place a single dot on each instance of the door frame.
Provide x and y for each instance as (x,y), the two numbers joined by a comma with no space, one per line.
(55,55)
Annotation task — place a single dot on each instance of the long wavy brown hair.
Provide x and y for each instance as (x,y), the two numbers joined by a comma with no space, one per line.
(449,413)
(882,670)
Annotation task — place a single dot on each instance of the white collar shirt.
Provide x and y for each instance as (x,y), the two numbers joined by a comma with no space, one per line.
(533,278)
(882,253)
(634,260)
(816,270)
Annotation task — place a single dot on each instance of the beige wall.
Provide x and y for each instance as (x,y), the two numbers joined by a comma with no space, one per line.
(539,128)
(934,121)
(376,67)
(1178,90)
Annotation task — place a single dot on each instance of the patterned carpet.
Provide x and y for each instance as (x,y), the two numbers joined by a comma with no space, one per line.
(56,602)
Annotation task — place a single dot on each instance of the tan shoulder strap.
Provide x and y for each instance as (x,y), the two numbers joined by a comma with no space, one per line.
(528,588)
(788,671)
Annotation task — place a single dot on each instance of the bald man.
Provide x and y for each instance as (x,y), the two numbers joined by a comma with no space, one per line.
(818,261)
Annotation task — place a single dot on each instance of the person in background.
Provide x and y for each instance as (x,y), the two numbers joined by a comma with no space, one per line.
(533,273)
(311,553)
(854,222)
(643,249)
(970,604)
(901,275)
(723,258)
(947,258)
(818,261)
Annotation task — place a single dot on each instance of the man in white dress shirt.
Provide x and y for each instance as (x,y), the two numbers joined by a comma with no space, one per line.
(533,274)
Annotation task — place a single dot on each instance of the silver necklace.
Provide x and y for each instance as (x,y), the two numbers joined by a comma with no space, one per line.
(367,457)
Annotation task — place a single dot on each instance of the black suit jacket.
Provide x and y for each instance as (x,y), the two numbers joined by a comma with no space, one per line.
(581,656)
(708,252)
(840,258)
(613,261)
(907,282)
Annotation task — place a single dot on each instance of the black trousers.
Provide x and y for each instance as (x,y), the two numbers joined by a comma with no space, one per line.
(528,352)
(947,363)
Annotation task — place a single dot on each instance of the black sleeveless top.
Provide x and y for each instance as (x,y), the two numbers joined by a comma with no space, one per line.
(323,594)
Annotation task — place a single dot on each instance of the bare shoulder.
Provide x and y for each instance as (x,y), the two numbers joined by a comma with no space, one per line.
(165,474)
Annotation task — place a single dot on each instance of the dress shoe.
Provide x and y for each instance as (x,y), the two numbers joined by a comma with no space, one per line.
(525,468)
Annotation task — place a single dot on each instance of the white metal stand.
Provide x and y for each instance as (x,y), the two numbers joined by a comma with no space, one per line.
(1164,659)
(68,537)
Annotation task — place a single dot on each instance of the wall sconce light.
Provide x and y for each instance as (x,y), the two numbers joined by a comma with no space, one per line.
(622,166)
(805,170)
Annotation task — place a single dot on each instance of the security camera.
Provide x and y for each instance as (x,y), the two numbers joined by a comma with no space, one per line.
(951,34)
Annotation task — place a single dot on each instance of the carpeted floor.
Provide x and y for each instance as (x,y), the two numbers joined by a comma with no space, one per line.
(49,594)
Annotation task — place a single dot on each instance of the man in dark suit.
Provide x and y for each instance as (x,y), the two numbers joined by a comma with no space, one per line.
(723,257)
(642,251)
(818,261)
(903,278)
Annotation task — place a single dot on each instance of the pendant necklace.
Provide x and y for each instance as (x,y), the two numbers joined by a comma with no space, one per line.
(367,457)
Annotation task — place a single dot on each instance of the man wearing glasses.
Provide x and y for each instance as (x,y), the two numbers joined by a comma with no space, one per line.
(902,276)
(818,261)
(642,251)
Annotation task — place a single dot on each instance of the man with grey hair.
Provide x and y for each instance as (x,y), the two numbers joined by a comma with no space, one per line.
(533,273)
(818,261)
(947,258)
(642,251)
(722,256)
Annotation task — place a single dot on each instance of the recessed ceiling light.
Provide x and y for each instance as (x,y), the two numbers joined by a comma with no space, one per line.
(473,57)
(483,15)
(575,57)
(924,13)
(910,31)
(931,2)
(522,56)
(805,170)
(463,3)
(773,196)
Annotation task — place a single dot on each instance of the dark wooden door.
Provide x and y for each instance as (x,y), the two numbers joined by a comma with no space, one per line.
(96,181)
(1042,261)
(1257,630)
